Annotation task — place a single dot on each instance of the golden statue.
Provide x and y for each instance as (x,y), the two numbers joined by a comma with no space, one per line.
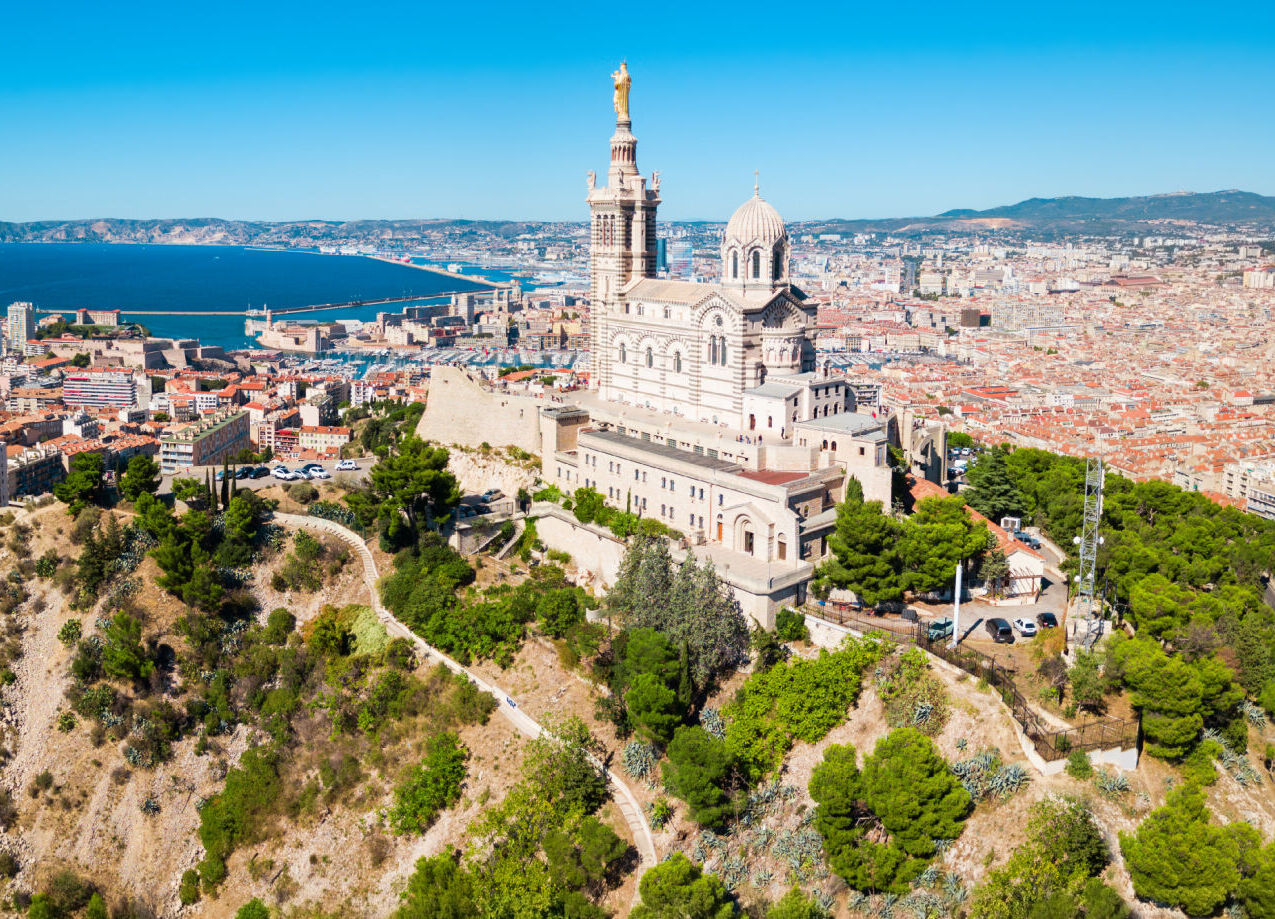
(622,83)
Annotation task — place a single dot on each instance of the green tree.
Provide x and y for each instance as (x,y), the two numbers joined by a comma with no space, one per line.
(96,908)
(675,889)
(796,905)
(1045,876)
(1176,857)
(123,656)
(413,481)
(907,784)
(993,492)
(653,708)
(1088,688)
(83,484)
(1257,889)
(688,606)
(439,888)
(253,909)
(698,771)
(864,547)
(589,503)
(142,475)
(189,490)
(938,536)
(558,611)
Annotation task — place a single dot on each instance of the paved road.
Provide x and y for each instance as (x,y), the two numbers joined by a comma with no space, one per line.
(506,705)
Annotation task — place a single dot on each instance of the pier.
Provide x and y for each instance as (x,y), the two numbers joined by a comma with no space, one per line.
(285,311)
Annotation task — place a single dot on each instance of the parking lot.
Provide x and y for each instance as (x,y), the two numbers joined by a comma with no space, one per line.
(357,476)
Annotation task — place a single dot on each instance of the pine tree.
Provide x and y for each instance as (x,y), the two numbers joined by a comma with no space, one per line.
(993,491)
(865,556)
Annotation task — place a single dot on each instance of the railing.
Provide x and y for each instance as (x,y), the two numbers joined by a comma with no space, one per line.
(1051,743)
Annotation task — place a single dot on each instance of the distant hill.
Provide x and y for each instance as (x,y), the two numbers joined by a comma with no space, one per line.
(1074,214)
(1037,217)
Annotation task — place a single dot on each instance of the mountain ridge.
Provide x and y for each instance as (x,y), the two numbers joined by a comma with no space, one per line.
(1061,215)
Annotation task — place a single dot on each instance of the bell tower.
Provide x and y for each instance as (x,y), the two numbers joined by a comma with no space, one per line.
(621,230)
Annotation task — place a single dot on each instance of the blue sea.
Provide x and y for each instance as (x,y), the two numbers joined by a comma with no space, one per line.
(61,277)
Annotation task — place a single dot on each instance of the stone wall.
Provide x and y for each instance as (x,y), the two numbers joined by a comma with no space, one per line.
(478,472)
(460,411)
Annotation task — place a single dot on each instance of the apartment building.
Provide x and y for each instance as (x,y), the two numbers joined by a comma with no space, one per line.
(206,442)
(323,438)
(99,389)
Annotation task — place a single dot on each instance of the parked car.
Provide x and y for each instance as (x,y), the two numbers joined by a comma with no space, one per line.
(221,475)
(260,472)
(1000,631)
(1027,539)
(243,472)
(939,629)
(1047,620)
(282,473)
(1025,627)
(347,465)
(320,473)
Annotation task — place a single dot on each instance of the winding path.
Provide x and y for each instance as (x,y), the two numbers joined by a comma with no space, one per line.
(624,797)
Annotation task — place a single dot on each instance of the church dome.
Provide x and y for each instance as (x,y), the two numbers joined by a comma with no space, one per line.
(756,221)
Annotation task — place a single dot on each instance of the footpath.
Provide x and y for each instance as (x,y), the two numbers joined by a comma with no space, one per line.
(629,805)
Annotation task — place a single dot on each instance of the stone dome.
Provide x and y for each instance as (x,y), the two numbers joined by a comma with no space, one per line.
(756,221)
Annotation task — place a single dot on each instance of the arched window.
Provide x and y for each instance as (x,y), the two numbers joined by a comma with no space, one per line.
(756,264)
(712,349)
(624,354)
(677,361)
(834,446)
(734,264)
(777,265)
(650,358)
(782,548)
(721,350)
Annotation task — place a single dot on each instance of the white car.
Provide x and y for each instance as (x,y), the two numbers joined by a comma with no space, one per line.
(347,465)
(1025,627)
(320,474)
(281,472)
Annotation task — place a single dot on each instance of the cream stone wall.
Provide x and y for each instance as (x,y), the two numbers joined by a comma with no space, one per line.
(460,411)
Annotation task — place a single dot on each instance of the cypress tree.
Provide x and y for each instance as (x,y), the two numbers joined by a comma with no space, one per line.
(225,485)
(210,496)
(685,689)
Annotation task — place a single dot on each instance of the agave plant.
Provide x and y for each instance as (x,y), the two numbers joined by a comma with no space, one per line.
(961,744)
(638,759)
(710,719)
(1008,780)
(927,878)
(1111,784)
(1255,714)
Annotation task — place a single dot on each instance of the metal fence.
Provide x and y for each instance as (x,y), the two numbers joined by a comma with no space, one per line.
(1050,742)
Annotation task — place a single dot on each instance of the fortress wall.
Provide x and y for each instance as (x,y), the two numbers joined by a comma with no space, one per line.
(460,411)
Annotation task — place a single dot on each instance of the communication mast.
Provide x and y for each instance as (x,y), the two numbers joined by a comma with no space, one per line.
(1088,604)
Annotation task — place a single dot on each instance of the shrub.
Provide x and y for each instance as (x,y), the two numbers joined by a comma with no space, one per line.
(8,864)
(70,632)
(188,891)
(1079,766)
(431,786)
(303,492)
(791,626)
(800,700)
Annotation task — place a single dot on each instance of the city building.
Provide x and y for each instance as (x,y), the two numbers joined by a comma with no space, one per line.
(21,324)
(321,438)
(99,388)
(206,442)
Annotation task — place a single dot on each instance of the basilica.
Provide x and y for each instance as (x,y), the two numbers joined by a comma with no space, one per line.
(708,408)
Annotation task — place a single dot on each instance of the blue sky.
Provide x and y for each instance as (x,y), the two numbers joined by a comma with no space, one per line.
(487,110)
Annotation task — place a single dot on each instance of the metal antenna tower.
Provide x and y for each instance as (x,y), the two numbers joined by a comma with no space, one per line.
(1088,603)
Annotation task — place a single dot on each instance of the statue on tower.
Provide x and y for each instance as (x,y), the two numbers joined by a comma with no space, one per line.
(621,98)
